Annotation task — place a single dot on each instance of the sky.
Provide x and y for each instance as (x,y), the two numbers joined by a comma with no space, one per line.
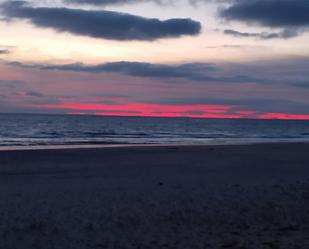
(165,58)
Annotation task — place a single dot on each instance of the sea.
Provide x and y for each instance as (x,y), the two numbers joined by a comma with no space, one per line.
(26,130)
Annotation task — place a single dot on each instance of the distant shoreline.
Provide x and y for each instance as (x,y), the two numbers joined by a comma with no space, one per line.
(107,146)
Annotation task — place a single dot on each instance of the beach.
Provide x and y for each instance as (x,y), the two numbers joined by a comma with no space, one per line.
(227,196)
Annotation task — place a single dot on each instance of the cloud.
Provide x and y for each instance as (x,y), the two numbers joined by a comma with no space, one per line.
(98,86)
(123,2)
(35,94)
(101,24)
(12,84)
(200,72)
(4,51)
(269,13)
(115,2)
(17,92)
(285,34)
(303,84)
(230,46)
(289,72)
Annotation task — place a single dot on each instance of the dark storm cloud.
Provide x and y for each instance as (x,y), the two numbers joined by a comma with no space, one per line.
(270,13)
(101,24)
(191,71)
(285,34)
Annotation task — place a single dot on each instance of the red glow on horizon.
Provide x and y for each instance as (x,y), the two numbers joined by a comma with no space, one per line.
(157,110)
(283,116)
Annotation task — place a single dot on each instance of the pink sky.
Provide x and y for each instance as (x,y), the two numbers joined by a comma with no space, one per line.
(197,73)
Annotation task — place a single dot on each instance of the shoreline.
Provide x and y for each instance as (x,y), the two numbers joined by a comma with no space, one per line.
(107,146)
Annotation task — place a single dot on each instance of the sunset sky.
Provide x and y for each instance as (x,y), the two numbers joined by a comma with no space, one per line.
(192,58)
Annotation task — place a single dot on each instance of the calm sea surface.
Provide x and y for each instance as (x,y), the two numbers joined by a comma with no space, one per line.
(30,130)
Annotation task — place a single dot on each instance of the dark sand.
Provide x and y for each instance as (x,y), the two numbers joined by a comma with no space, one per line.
(242,196)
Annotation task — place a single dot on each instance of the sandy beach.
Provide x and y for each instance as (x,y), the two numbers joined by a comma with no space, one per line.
(241,196)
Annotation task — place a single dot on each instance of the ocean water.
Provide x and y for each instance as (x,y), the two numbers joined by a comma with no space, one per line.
(38,130)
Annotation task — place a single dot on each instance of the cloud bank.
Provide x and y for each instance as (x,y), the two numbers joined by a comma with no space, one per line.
(269,13)
(200,72)
(285,34)
(101,24)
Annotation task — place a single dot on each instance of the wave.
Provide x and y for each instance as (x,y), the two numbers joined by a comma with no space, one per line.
(27,130)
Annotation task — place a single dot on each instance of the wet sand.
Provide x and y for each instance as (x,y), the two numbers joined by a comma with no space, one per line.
(241,196)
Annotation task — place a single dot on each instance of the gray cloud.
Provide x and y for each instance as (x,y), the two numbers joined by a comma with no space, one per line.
(115,2)
(303,84)
(282,71)
(230,46)
(12,84)
(200,72)
(122,2)
(269,13)
(35,94)
(4,51)
(13,91)
(101,24)
(285,34)
(287,71)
